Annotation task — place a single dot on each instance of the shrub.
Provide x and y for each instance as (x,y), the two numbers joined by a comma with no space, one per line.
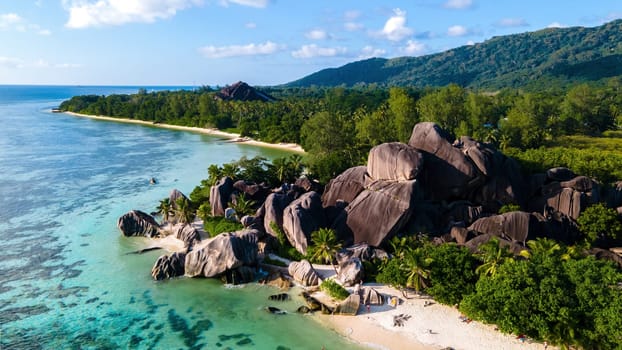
(334,289)
(217,225)
(600,222)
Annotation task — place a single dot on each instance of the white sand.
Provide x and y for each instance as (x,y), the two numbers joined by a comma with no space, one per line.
(214,132)
(375,329)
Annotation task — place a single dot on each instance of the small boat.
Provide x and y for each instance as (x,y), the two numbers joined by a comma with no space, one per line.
(152,181)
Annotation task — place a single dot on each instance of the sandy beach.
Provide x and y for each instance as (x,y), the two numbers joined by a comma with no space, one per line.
(431,326)
(232,137)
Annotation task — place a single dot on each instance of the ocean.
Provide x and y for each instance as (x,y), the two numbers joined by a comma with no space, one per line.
(66,278)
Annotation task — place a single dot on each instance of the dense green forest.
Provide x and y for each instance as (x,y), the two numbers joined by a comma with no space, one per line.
(531,61)
(338,126)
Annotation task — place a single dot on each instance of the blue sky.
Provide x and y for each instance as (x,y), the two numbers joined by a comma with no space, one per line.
(262,42)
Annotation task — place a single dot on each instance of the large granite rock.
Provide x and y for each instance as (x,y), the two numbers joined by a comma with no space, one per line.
(138,223)
(227,251)
(394,161)
(348,307)
(514,226)
(169,266)
(473,244)
(241,91)
(378,212)
(301,217)
(560,174)
(220,195)
(448,173)
(186,233)
(370,296)
(304,273)
(350,271)
(251,190)
(272,211)
(565,200)
(345,187)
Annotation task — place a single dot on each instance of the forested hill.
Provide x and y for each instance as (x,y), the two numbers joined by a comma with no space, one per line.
(529,60)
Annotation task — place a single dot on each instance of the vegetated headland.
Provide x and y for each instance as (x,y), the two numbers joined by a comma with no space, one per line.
(515,226)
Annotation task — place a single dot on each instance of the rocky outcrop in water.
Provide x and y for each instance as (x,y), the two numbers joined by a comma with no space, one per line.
(138,223)
(169,266)
(227,251)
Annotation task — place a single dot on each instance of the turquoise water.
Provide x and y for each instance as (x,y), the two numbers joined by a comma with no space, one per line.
(66,280)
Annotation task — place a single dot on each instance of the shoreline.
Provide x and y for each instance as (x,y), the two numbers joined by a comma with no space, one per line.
(231,137)
(431,326)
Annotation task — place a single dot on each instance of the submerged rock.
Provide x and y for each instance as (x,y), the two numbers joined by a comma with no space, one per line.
(138,223)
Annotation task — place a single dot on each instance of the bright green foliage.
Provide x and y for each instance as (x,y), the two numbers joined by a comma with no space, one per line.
(243,206)
(404,110)
(507,208)
(204,211)
(605,166)
(599,222)
(492,255)
(165,209)
(392,274)
(567,303)
(216,225)
(444,107)
(416,266)
(334,289)
(183,210)
(452,273)
(324,246)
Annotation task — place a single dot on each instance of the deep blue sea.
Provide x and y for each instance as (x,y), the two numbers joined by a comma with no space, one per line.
(66,280)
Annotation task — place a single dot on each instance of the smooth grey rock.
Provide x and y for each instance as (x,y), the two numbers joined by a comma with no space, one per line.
(304,273)
(138,223)
(301,217)
(169,266)
(350,272)
(224,252)
(220,195)
(394,161)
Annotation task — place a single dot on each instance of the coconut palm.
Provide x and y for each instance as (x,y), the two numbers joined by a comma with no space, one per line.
(324,247)
(416,265)
(183,211)
(541,247)
(492,255)
(242,206)
(164,209)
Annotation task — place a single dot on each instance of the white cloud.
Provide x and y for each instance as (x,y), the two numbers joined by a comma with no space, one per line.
(369,51)
(10,62)
(251,25)
(353,26)
(251,3)
(457,30)
(470,42)
(89,13)
(9,19)
(44,32)
(316,34)
(556,25)
(414,48)
(310,51)
(395,28)
(458,4)
(512,22)
(266,48)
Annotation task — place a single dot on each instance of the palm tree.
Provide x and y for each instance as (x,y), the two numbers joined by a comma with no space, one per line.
(242,206)
(164,208)
(541,247)
(415,264)
(492,255)
(204,211)
(183,210)
(324,247)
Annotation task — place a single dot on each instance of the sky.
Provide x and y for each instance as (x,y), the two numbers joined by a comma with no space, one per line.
(261,42)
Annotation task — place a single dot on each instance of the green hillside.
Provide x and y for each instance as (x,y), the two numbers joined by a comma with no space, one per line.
(528,60)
